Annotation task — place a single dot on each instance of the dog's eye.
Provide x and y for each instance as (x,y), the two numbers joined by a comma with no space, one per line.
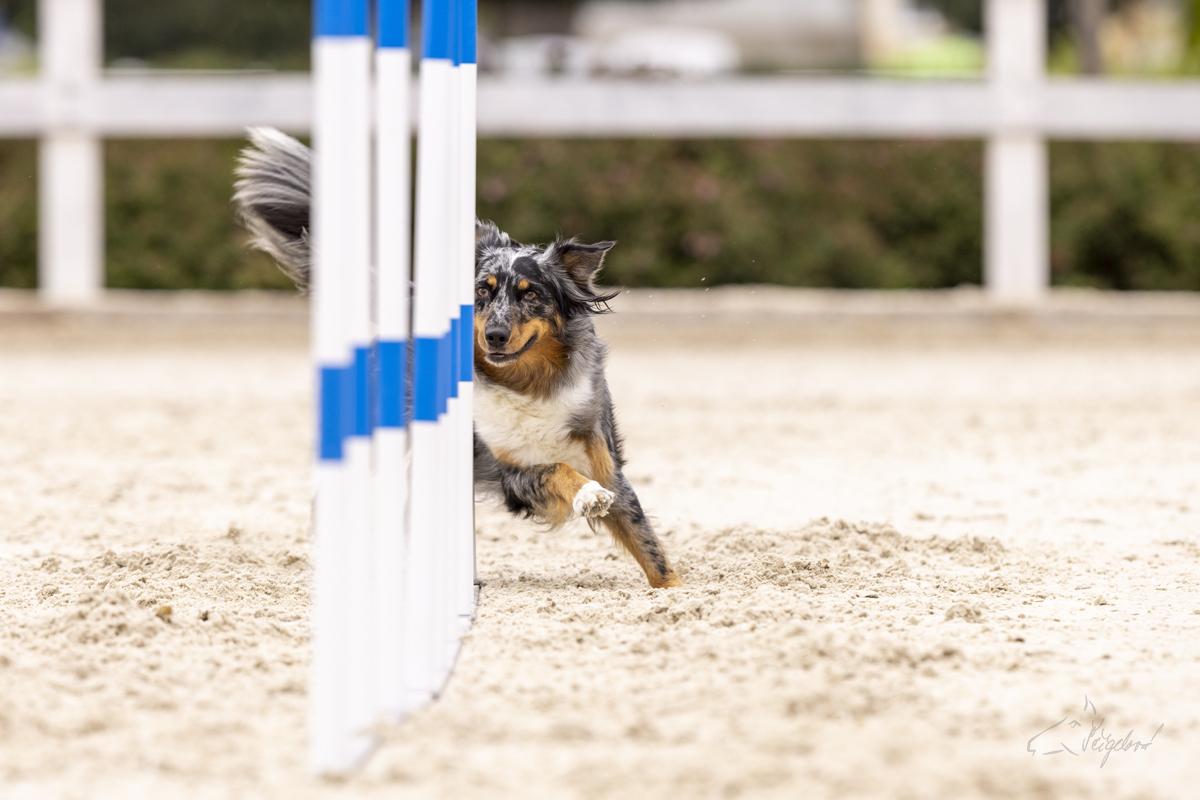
(482,291)
(531,295)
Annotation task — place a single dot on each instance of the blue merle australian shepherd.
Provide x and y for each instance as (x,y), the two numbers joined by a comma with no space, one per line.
(545,437)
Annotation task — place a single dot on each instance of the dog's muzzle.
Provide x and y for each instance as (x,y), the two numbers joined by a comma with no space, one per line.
(497,356)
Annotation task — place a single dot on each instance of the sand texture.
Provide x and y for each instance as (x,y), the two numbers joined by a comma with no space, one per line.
(909,548)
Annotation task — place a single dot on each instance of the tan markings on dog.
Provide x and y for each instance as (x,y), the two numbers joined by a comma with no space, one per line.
(536,371)
(491,281)
(629,537)
(523,285)
(522,332)
(600,460)
(562,483)
(480,335)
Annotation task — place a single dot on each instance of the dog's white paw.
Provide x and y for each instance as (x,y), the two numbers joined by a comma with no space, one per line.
(593,500)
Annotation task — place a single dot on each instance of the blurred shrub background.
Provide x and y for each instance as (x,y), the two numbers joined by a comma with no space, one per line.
(195,34)
(169,220)
(800,213)
(18,214)
(686,213)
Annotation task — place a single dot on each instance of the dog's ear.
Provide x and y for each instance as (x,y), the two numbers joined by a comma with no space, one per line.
(581,262)
(489,237)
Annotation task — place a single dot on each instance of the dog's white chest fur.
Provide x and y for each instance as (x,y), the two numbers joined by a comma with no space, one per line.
(528,431)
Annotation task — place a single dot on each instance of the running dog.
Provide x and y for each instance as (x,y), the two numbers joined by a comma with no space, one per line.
(546,440)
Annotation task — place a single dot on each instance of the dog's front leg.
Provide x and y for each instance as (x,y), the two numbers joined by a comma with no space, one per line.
(553,493)
(630,527)
(556,493)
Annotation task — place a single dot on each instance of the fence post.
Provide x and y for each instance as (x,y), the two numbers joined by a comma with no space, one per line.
(1016,182)
(70,158)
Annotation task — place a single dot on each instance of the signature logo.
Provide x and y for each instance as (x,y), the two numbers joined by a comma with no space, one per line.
(1065,736)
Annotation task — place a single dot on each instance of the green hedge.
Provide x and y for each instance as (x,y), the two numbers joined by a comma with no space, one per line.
(211,33)
(18,214)
(802,213)
(1125,216)
(196,33)
(170,221)
(686,213)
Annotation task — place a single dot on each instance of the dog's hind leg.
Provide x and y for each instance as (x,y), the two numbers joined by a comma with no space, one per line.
(629,526)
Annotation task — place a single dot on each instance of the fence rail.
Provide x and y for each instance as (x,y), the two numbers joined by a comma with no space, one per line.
(74,104)
(183,107)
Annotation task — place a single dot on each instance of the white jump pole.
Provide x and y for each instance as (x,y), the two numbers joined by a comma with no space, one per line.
(426,606)
(465,268)
(451,541)
(459,581)
(393,219)
(342,705)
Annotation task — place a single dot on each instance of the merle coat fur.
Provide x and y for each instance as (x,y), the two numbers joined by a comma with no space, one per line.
(546,441)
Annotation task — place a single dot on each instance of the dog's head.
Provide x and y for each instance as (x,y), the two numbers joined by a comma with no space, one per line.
(525,295)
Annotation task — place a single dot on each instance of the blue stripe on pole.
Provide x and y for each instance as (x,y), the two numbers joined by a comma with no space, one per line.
(467,32)
(451,362)
(329,404)
(448,366)
(443,373)
(425,379)
(348,405)
(393,358)
(373,399)
(435,36)
(340,17)
(393,23)
(466,356)
(455,353)
(361,389)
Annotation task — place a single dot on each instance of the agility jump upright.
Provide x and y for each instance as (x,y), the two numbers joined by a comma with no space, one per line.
(394,560)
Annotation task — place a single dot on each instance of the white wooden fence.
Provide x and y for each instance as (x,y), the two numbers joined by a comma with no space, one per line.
(73,105)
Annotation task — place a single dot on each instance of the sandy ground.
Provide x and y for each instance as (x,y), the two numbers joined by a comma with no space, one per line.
(910,547)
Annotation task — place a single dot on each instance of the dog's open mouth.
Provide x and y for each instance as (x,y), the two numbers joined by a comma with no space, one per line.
(499,359)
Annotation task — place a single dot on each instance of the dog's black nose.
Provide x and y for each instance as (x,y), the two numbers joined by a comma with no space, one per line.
(496,337)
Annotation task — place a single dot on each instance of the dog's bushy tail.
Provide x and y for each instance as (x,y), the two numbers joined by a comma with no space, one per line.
(273,198)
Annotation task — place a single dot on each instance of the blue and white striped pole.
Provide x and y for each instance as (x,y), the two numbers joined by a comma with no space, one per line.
(465,269)
(426,608)
(393,220)
(452,541)
(342,707)
(394,544)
